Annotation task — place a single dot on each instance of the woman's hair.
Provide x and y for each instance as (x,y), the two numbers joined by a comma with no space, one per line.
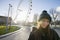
(48,31)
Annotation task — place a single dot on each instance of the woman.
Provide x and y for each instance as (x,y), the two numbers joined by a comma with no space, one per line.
(43,31)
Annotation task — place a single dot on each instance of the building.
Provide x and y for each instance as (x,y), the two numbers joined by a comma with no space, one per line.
(3,20)
(35,19)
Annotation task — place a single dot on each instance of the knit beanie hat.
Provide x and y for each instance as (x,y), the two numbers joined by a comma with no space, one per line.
(44,14)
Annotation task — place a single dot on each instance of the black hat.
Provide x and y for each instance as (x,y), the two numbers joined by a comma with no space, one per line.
(45,15)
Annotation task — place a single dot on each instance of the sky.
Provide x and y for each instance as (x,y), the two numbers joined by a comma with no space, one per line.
(37,7)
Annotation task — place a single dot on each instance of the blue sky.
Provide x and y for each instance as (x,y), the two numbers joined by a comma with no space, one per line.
(45,4)
(37,7)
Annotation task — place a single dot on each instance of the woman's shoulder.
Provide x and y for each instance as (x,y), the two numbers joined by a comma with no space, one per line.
(54,33)
(34,30)
(52,30)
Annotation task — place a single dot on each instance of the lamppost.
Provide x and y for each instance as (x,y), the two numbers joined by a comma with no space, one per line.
(7,18)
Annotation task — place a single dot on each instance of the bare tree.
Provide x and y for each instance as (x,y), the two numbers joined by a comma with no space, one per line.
(54,14)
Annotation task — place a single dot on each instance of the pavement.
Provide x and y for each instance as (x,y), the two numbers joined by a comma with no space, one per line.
(22,34)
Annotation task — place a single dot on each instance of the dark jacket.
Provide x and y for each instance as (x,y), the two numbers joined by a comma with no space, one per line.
(38,35)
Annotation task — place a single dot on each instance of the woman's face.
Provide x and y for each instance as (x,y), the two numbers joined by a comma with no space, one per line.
(43,23)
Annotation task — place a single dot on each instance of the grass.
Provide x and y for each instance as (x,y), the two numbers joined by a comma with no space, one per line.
(10,29)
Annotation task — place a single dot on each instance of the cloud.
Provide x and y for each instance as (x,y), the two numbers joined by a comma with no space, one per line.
(58,9)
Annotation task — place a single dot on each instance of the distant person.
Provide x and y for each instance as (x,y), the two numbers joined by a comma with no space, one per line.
(43,31)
